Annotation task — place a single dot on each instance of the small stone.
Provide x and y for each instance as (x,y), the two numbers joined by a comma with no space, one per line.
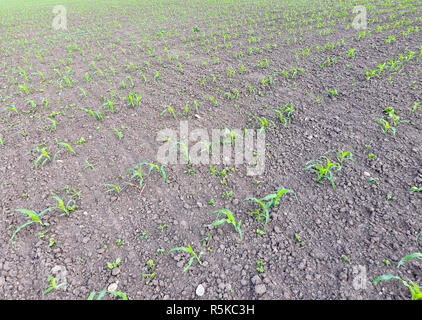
(367,174)
(200,290)
(260,289)
(2,281)
(112,287)
(115,271)
(277,229)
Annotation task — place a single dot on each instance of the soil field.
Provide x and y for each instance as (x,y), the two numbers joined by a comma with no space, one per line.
(105,187)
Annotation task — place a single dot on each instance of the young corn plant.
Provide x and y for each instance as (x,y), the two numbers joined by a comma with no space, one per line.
(35,218)
(183,148)
(43,155)
(264,122)
(149,271)
(285,114)
(114,187)
(342,155)
(97,115)
(416,106)
(102,293)
(413,287)
(118,133)
(67,147)
(115,264)
(67,208)
(169,109)
(188,249)
(53,285)
(137,172)
(323,169)
(387,127)
(267,201)
(134,99)
(230,220)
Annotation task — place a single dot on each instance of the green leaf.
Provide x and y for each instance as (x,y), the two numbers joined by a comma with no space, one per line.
(101,294)
(32,214)
(416,255)
(386,277)
(92,295)
(18,229)
(118,294)
(179,248)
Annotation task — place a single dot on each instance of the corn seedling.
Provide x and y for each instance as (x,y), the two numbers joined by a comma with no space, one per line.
(134,99)
(342,155)
(118,133)
(162,227)
(387,126)
(230,220)
(68,208)
(323,172)
(267,201)
(67,147)
(299,240)
(102,293)
(35,217)
(170,109)
(185,149)
(144,235)
(350,53)
(96,114)
(188,250)
(113,188)
(149,271)
(51,242)
(390,112)
(332,92)
(416,106)
(260,266)
(137,171)
(264,122)
(285,113)
(115,264)
(88,165)
(413,287)
(53,285)
(43,154)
